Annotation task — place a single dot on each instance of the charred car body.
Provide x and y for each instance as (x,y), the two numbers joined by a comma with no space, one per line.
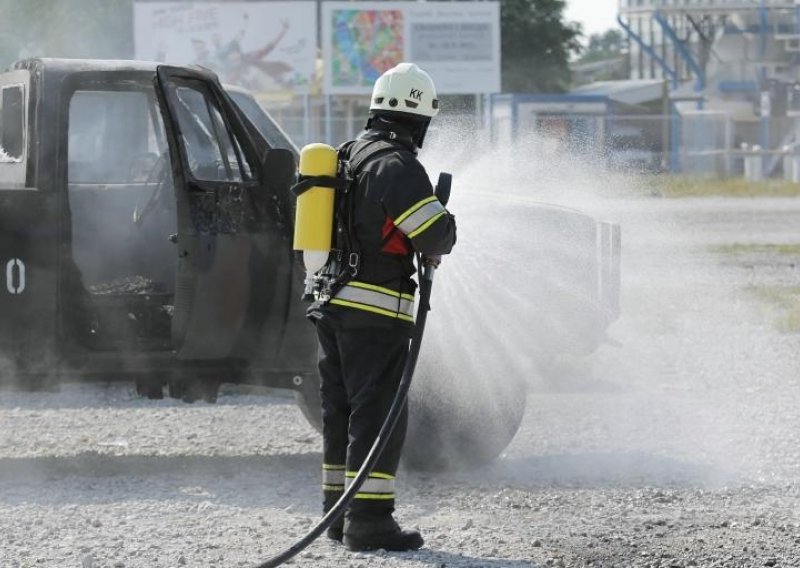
(145,233)
(143,227)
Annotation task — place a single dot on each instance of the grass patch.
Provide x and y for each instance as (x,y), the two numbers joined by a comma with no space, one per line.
(678,186)
(772,249)
(785,300)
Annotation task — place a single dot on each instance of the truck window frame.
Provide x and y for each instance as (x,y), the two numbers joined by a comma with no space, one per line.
(241,147)
(14,168)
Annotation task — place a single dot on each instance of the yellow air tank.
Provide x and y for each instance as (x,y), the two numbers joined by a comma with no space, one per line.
(313,226)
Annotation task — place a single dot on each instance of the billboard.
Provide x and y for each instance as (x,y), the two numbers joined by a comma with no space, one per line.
(264,46)
(458,43)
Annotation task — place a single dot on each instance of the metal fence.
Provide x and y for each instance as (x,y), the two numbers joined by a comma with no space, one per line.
(724,145)
(337,119)
(693,142)
(696,142)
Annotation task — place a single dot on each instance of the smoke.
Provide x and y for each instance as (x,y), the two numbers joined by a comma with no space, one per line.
(48,28)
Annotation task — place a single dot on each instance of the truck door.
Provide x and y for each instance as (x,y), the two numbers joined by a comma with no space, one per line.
(28,242)
(234,273)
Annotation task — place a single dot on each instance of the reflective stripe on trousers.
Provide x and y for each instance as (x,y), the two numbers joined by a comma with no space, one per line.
(333,478)
(377,486)
(376,299)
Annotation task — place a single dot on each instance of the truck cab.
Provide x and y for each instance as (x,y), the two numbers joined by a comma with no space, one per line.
(145,231)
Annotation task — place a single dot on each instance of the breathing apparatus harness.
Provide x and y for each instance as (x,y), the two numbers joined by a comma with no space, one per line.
(344,262)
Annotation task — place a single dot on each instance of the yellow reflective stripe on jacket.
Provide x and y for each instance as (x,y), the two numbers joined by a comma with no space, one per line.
(425,225)
(381,289)
(414,208)
(420,217)
(375,299)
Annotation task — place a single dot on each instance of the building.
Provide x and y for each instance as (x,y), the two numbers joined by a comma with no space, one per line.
(733,67)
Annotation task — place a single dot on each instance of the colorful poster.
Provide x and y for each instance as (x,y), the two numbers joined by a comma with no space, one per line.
(263,46)
(457,43)
(366,43)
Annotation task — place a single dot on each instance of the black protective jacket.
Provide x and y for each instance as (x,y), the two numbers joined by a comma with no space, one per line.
(393,213)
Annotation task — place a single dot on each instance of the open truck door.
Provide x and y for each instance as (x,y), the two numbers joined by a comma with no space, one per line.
(233,287)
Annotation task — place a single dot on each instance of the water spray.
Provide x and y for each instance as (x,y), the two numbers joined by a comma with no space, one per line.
(426,267)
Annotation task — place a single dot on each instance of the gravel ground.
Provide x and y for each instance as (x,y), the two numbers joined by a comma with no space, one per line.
(678,447)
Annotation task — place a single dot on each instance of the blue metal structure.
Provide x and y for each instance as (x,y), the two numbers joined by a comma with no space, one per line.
(668,71)
(681,49)
(672,75)
(698,46)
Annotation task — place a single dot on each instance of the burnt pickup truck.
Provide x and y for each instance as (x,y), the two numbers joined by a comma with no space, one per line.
(146,229)
(144,226)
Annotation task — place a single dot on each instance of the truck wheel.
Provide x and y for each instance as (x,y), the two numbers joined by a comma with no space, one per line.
(175,387)
(464,408)
(201,388)
(150,388)
(192,390)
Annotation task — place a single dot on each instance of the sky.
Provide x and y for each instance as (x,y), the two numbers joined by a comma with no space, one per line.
(596,15)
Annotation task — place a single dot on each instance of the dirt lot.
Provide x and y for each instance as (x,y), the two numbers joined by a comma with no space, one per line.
(678,447)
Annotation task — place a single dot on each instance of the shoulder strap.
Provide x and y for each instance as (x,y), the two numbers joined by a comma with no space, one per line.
(368,152)
(307,182)
(350,166)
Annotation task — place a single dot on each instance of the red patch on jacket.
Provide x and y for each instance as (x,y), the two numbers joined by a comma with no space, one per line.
(397,243)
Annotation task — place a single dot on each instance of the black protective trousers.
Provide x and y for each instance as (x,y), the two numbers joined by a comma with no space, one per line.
(360,370)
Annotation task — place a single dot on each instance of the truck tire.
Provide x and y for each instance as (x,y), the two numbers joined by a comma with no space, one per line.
(151,388)
(467,400)
(456,430)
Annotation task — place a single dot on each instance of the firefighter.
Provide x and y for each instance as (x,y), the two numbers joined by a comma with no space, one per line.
(364,327)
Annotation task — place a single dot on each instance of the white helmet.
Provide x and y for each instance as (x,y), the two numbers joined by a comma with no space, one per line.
(405,89)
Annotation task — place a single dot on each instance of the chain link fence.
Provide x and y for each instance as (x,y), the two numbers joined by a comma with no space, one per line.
(338,119)
(704,143)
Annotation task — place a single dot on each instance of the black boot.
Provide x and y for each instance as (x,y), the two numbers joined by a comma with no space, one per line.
(336,530)
(385,534)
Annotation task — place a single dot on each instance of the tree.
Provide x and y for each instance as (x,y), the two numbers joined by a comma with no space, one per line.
(608,45)
(536,45)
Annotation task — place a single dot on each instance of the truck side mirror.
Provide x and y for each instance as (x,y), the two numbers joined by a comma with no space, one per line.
(279,168)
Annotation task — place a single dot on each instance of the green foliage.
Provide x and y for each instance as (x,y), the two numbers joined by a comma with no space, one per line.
(55,28)
(759,249)
(784,304)
(536,45)
(603,46)
(681,186)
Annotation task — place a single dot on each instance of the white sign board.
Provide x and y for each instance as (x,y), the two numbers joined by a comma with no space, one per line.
(458,43)
(264,46)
